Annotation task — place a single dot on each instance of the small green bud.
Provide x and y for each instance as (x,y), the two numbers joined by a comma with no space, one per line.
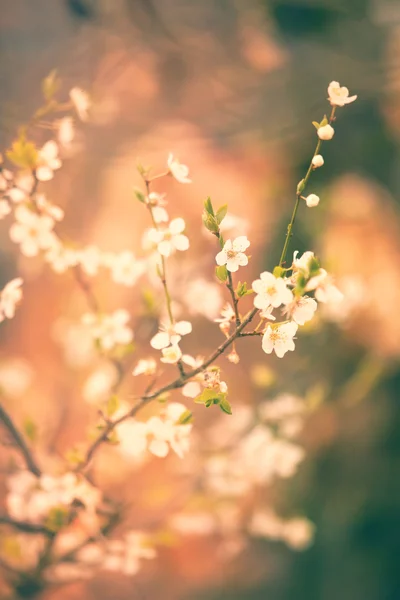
(225,406)
(210,223)
(300,186)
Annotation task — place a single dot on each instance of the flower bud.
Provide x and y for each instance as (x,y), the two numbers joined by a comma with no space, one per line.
(233,357)
(326,132)
(317,161)
(312,200)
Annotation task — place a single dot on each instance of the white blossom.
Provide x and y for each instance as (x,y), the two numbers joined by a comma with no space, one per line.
(317,161)
(22,187)
(125,555)
(233,254)
(339,96)
(170,334)
(171,355)
(279,339)
(125,268)
(312,200)
(166,432)
(10,297)
(203,297)
(271,291)
(90,259)
(145,367)
(98,386)
(33,232)
(47,208)
(81,102)
(301,310)
(170,239)
(60,257)
(178,170)
(109,330)
(66,131)
(48,161)
(326,132)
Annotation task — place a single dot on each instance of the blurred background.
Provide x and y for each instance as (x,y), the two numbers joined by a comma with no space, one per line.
(231,88)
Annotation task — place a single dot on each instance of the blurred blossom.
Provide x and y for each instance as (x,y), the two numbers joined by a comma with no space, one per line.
(178,170)
(76,342)
(16,375)
(296,533)
(98,386)
(203,297)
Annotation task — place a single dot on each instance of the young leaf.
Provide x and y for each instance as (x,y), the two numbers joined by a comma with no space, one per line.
(139,195)
(279,272)
(221,273)
(221,214)
(316,124)
(23,153)
(185,418)
(50,85)
(30,429)
(209,207)
(225,406)
(112,405)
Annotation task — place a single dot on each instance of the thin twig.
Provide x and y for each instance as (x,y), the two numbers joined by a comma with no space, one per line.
(19,442)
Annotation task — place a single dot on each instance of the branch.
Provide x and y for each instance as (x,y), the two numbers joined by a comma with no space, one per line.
(25,526)
(176,384)
(235,300)
(19,442)
(304,182)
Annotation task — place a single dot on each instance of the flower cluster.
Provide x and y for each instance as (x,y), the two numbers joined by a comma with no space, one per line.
(158,435)
(51,500)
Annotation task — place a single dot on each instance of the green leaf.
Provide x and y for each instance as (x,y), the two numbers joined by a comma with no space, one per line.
(112,405)
(225,406)
(221,213)
(185,418)
(316,124)
(139,195)
(324,121)
(50,85)
(208,207)
(23,153)
(221,273)
(210,396)
(279,272)
(30,429)
(242,290)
